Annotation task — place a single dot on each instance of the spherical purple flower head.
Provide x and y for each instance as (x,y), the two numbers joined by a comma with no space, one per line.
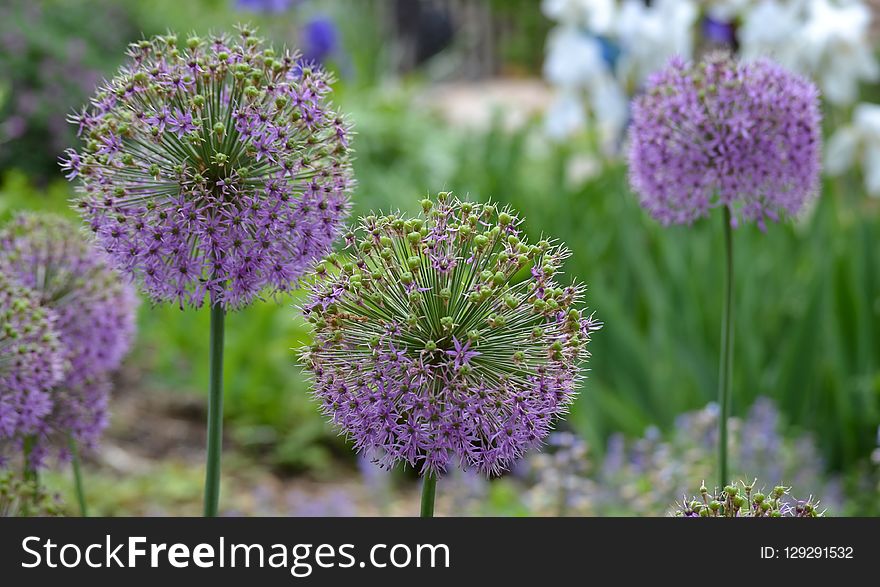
(725,133)
(445,337)
(94,305)
(213,167)
(31,363)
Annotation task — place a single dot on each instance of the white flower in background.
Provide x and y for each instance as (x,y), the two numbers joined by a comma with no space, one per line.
(574,59)
(575,65)
(650,35)
(838,49)
(566,115)
(773,29)
(580,65)
(858,143)
(610,106)
(826,39)
(596,16)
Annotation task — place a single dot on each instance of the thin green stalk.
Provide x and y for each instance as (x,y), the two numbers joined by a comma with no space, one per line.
(30,471)
(726,366)
(77,479)
(429,489)
(215,413)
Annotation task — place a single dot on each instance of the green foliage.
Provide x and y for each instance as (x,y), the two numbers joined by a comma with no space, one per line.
(52,54)
(17,192)
(267,399)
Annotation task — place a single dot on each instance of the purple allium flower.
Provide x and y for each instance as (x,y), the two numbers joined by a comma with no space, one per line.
(433,344)
(733,502)
(31,363)
(95,320)
(95,307)
(213,167)
(725,133)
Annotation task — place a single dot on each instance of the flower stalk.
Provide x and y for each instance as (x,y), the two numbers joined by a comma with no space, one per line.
(77,478)
(725,371)
(215,413)
(429,490)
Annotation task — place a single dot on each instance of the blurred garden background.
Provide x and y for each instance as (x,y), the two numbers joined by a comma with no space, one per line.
(522,102)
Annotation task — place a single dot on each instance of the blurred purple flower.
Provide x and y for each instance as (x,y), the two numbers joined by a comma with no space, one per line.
(95,310)
(31,363)
(95,306)
(719,32)
(647,475)
(14,127)
(335,503)
(266,6)
(319,39)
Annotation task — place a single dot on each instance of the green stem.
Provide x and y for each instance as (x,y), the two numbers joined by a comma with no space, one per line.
(725,370)
(77,479)
(215,413)
(429,489)
(30,471)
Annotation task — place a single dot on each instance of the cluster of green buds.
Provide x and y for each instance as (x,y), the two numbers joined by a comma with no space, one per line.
(744,502)
(25,498)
